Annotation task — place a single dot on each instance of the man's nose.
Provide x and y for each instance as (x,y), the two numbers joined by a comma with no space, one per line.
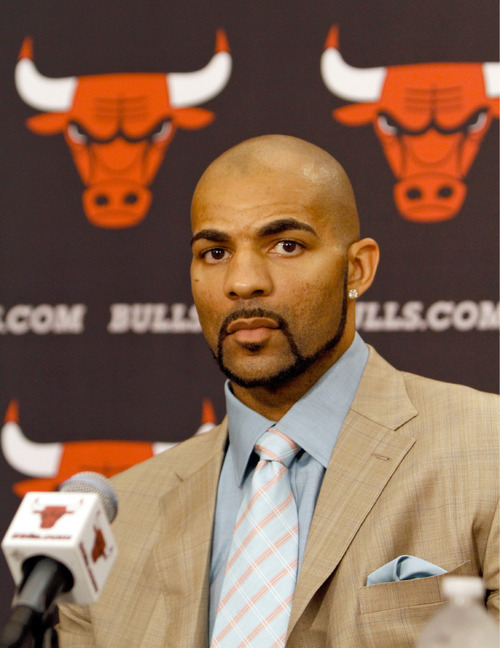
(247,276)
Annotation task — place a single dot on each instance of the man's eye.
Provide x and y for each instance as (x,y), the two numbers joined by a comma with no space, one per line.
(77,133)
(387,124)
(288,248)
(477,121)
(162,131)
(214,255)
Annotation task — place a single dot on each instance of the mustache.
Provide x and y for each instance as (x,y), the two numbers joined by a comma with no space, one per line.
(246,313)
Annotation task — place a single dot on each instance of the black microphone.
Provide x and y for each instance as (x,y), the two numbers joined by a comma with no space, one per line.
(58,546)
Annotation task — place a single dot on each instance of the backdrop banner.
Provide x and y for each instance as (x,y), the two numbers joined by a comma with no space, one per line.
(111,111)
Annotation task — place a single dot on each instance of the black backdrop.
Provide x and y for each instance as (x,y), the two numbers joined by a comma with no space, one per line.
(91,383)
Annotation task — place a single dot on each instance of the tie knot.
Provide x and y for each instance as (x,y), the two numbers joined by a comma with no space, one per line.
(273,445)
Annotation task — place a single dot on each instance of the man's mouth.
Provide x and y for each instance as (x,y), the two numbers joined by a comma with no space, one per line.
(252,330)
(251,323)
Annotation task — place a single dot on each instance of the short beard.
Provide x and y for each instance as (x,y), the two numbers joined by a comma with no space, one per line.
(301,362)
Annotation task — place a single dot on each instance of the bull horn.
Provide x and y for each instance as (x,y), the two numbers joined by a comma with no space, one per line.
(161,447)
(345,81)
(193,88)
(75,507)
(491,72)
(208,421)
(25,456)
(38,91)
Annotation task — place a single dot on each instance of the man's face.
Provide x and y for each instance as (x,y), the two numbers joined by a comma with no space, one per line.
(268,278)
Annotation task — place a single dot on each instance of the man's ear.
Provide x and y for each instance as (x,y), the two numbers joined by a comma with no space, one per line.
(363,259)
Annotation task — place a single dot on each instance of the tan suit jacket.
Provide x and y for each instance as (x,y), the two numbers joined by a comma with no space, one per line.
(414,472)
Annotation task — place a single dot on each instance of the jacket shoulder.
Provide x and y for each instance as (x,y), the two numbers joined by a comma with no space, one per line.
(422,388)
(395,398)
(450,396)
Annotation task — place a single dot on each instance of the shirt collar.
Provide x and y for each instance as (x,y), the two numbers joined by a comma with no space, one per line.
(313,422)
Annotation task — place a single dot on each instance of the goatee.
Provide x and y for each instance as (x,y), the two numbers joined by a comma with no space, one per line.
(299,364)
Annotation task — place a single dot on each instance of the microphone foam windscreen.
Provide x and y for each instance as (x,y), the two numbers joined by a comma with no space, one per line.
(92,482)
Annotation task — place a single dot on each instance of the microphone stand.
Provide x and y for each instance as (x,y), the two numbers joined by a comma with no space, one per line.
(30,619)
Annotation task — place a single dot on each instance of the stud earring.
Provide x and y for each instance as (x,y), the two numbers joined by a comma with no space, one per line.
(353,293)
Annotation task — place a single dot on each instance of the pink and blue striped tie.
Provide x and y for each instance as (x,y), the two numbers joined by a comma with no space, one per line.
(261,572)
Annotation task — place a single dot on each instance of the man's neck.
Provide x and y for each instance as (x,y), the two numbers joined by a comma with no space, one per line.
(274,403)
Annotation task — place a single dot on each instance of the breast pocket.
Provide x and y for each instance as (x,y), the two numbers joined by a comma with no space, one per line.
(394,614)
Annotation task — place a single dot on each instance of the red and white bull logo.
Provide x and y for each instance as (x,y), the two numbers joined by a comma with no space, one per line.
(118,126)
(49,464)
(50,514)
(99,547)
(430,119)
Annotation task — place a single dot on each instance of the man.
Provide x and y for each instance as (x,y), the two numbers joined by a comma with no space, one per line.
(390,477)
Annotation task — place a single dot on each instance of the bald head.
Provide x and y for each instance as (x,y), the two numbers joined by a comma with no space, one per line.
(277,266)
(295,160)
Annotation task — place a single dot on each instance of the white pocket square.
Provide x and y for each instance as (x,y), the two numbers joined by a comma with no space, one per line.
(404,568)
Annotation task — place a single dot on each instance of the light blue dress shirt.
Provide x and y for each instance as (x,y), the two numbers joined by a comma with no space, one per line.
(314,423)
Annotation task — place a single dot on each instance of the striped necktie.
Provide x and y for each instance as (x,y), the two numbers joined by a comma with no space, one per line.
(261,572)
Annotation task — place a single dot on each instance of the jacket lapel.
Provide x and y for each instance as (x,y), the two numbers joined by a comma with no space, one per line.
(369,449)
(182,555)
